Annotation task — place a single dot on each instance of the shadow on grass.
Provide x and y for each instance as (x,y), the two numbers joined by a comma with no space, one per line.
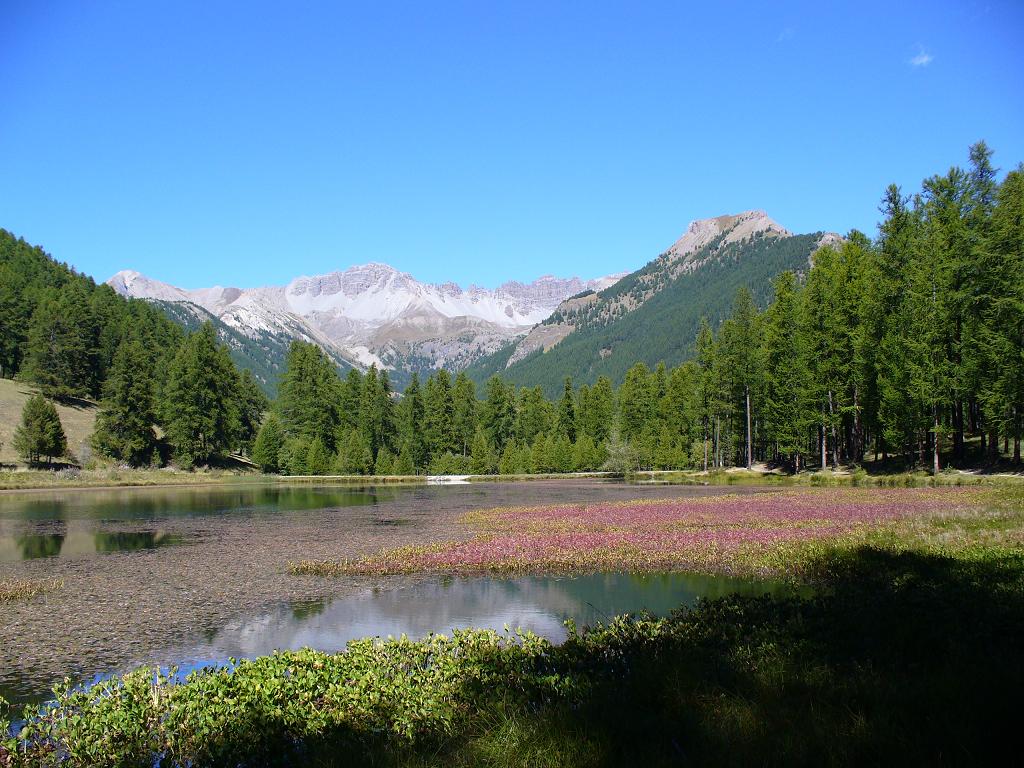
(904,659)
(901,658)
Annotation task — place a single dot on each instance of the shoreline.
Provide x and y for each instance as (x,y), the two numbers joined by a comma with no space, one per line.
(38,482)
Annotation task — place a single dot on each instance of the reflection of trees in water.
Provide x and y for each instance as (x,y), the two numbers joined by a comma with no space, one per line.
(33,545)
(124,541)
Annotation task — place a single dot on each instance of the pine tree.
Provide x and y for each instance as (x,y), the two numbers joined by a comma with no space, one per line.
(498,412)
(508,464)
(439,415)
(482,458)
(354,455)
(62,345)
(376,410)
(318,458)
(266,451)
(786,372)
(1002,323)
(465,408)
(411,424)
(309,398)
(252,404)
(40,432)
(600,412)
(124,424)
(637,401)
(533,415)
(201,399)
(741,359)
(706,391)
(403,462)
(384,463)
(566,422)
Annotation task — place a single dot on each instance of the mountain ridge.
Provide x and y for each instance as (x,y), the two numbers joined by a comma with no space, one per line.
(376,314)
(652,314)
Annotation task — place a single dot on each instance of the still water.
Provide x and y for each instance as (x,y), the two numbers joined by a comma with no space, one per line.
(540,604)
(193,576)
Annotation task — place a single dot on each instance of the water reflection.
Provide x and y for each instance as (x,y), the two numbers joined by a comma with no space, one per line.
(33,545)
(161,503)
(538,604)
(124,541)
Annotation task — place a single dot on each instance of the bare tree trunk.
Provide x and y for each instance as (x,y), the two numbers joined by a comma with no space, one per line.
(824,448)
(832,424)
(935,440)
(750,437)
(958,426)
(858,449)
(1016,436)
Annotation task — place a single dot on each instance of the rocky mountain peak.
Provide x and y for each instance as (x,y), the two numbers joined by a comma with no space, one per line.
(735,227)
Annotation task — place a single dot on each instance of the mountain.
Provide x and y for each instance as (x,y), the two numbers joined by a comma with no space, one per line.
(653,314)
(367,314)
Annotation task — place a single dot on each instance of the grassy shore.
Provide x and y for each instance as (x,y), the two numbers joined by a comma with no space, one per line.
(32,479)
(907,653)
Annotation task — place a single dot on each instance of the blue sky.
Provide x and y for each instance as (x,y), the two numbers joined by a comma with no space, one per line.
(245,143)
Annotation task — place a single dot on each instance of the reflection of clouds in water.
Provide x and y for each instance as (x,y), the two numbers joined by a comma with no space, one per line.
(538,604)
(415,611)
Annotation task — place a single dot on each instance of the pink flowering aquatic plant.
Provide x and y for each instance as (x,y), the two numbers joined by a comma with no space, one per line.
(712,533)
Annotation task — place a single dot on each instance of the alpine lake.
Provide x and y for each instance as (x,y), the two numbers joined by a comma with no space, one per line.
(195,576)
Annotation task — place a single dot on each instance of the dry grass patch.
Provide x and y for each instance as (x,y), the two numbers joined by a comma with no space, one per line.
(22,589)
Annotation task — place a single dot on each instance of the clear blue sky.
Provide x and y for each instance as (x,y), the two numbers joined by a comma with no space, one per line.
(246,143)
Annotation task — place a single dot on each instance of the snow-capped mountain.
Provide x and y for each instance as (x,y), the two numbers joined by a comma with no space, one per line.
(374,313)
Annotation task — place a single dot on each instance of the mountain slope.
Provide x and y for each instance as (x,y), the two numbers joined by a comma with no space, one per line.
(372,313)
(263,353)
(653,314)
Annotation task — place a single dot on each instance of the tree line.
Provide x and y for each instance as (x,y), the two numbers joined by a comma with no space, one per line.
(908,346)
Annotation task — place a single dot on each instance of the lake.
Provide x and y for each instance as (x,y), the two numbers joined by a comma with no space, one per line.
(191,576)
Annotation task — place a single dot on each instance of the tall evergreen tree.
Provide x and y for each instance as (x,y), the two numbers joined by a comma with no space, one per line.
(498,412)
(124,424)
(566,422)
(1002,315)
(439,415)
(201,399)
(266,450)
(411,424)
(309,397)
(62,345)
(786,373)
(465,413)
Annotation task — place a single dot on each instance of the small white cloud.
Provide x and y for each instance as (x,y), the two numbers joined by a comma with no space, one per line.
(922,59)
(786,34)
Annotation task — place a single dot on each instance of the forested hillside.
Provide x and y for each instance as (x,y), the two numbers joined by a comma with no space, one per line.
(77,340)
(610,335)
